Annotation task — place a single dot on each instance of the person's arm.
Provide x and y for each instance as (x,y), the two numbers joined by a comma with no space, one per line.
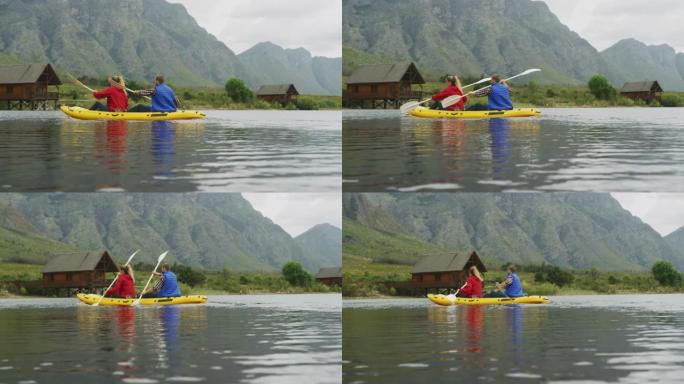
(102,94)
(482,92)
(145,92)
(442,95)
(116,288)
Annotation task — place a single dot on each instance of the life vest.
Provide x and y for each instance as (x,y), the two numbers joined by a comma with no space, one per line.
(500,98)
(164,100)
(170,286)
(515,289)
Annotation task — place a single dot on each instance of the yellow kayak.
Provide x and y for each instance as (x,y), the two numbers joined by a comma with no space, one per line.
(434,114)
(108,301)
(447,301)
(86,114)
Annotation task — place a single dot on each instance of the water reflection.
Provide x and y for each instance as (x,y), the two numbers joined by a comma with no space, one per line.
(564,150)
(231,151)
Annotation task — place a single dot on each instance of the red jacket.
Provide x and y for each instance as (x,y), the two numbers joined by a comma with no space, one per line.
(117,100)
(473,287)
(452,90)
(124,287)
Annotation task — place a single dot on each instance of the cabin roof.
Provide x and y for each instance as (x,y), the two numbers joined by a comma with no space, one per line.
(448,263)
(641,86)
(28,74)
(384,73)
(80,261)
(277,90)
(329,273)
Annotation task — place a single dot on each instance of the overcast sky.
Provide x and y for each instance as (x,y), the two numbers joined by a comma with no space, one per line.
(298,212)
(313,24)
(605,22)
(663,212)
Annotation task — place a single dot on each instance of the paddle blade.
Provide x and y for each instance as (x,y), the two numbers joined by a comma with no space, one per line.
(132,256)
(162,256)
(408,107)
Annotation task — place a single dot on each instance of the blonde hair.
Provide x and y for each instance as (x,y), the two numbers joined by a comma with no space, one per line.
(453,79)
(474,271)
(119,79)
(129,270)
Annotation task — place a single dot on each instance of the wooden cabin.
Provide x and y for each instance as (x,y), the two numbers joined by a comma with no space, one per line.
(26,86)
(83,271)
(278,93)
(330,276)
(383,85)
(643,90)
(444,271)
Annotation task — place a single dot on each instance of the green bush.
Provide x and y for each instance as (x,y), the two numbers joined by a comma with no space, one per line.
(238,91)
(189,276)
(306,104)
(671,101)
(666,274)
(295,274)
(600,87)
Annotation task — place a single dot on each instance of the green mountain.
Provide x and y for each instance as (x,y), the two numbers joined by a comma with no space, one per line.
(676,239)
(311,75)
(324,240)
(643,62)
(472,37)
(569,230)
(210,231)
(98,38)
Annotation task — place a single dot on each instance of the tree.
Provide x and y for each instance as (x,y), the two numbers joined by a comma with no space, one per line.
(187,275)
(600,87)
(238,91)
(666,274)
(295,274)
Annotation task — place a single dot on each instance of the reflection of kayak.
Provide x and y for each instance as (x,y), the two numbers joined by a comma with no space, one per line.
(451,300)
(431,113)
(86,114)
(107,301)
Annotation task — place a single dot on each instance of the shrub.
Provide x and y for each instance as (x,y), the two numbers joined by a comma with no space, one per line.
(238,91)
(295,274)
(189,276)
(672,101)
(600,87)
(665,274)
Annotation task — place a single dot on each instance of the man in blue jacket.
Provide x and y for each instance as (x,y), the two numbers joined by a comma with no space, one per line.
(166,286)
(510,287)
(163,98)
(499,95)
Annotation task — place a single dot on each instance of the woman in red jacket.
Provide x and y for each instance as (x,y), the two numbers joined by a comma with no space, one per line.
(125,284)
(473,286)
(453,88)
(117,98)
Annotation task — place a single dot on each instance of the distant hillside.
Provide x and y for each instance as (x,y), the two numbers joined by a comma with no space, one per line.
(636,60)
(324,240)
(98,38)
(569,230)
(676,239)
(471,37)
(212,231)
(273,64)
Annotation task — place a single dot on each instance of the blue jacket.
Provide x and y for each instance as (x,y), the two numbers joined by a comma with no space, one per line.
(515,288)
(164,100)
(170,286)
(500,98)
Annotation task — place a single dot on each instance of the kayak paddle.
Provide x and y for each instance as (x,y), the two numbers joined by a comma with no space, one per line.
(159,260)
(449,101)
(117,276)
(453,297)
(411,105)
(78,82)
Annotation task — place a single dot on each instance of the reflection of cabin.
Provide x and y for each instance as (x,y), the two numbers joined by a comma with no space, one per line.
(444,271)
(25,86)
(383,85)
(278,93)
(78,271)
(643,90)
(330,276)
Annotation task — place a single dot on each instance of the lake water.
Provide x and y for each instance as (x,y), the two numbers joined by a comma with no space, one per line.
(606,150)
(230,151)
(231,339)
(593,339)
